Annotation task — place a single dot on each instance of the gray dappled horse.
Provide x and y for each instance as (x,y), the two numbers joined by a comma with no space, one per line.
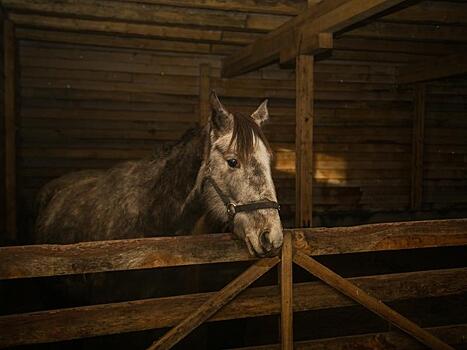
(220,171)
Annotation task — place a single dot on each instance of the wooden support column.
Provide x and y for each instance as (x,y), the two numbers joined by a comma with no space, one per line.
(416,192)
(304,140)
(10,128)
(204,91)
(286,282)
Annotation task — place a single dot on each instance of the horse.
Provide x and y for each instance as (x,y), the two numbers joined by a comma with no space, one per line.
(220,171)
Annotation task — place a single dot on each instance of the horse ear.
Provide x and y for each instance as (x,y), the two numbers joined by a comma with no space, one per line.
(221,120)
(261,114)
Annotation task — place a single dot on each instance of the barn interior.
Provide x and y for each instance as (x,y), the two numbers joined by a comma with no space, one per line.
(87,84)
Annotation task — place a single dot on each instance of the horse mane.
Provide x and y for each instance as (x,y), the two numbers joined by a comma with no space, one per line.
(246,133)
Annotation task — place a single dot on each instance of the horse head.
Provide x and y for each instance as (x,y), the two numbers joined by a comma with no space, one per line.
(238,188)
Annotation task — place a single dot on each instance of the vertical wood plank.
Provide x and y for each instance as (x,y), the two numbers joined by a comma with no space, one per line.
(10,128)
(304,140)
(416,193)
(286,282)
(204,90)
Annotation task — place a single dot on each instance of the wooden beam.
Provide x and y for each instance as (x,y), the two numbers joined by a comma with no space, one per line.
(286,283)
(437,68)
(300,33)
(112,41)
(304,101)
(416,191)
(282,7)
(204,91)
(320,44)
(267,49)
(371,303)
(9,67)
(144,253)
(454,335)
(214,304)
(140,315)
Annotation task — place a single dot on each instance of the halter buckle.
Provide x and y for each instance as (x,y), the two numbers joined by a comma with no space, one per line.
(231,210)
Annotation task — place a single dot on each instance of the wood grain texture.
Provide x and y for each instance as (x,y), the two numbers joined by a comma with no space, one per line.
(371,303)
(118,255)
(204,91)
(304,140)
(132,316)
(454,335)
(437,68)
(416,192)
(214,304)
(9,68)
(287,300)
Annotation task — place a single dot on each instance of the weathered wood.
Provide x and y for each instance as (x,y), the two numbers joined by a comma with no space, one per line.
(132,8)
(300,32)
(304,140)
(352,291)
(319,44)
(416,191)
(454,335)
(437,68)
(286,283)
(9,68)
(204,91)
(132,316)
(214,303)
(267,49)
(112,41)
(346,15)
(143,253)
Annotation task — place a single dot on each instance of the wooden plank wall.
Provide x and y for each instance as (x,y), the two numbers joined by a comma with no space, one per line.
(445,163)
(88,106)
(2,143)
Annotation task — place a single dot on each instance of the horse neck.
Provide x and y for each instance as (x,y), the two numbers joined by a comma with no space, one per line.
(176,196)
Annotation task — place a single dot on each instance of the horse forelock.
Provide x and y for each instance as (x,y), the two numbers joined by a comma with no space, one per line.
(245,135)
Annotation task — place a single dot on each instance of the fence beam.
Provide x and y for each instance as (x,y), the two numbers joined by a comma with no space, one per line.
(145,253)
(140,315)
(286,283)
(352,291)
(214,304)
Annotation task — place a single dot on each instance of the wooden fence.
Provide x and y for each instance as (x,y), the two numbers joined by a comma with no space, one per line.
(184,312)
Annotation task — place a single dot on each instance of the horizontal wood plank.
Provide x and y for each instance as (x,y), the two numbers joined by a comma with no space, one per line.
(87,257)
(96,320)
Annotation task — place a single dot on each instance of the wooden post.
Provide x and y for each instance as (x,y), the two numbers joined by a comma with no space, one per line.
(204,91)
(304,140)
(416,192)
(10,128)
(286,282)
(215,303)
(352,291)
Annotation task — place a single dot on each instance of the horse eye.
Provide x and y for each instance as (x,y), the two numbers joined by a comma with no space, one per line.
(232,163)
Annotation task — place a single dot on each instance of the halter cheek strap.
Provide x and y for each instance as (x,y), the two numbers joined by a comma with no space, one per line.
(232,208)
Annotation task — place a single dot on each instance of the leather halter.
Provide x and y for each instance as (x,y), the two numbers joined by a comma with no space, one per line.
(233,209)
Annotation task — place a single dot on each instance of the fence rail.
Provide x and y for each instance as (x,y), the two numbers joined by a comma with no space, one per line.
(97,320)
(144,253)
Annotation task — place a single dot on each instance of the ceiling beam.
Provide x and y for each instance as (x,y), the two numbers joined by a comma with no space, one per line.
(436,68)
(299,34)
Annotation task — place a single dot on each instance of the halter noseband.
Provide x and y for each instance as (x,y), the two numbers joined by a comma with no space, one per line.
(233,209)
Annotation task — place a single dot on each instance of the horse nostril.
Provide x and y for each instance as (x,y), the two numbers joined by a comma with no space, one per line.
(265,241)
